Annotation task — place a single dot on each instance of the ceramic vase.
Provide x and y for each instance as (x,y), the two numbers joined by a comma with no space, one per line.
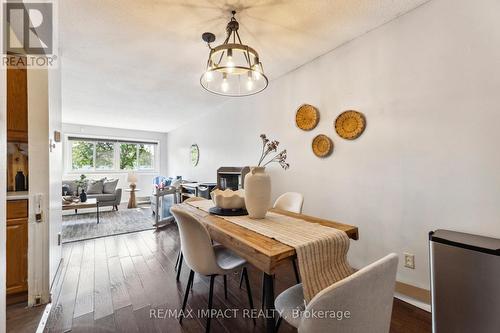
(257,192)
(83,196)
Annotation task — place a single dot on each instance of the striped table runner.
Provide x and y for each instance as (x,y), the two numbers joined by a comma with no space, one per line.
(321,251)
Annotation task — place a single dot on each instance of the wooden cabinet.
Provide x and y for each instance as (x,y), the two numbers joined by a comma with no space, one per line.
(17,246)
(17,105)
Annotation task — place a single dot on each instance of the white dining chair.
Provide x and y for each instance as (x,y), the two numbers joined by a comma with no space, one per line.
(206,259)
(178,261)
(366,294)
(290,201)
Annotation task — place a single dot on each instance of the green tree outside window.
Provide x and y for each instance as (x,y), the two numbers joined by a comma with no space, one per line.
(82,155)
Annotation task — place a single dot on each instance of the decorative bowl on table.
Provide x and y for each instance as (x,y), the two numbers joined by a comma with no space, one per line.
(228,199)
(67,199)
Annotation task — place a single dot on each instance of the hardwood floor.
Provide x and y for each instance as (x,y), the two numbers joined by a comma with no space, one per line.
(21,319)
(124,283)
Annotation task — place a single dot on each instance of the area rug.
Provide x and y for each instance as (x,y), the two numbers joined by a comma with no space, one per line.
(76,227)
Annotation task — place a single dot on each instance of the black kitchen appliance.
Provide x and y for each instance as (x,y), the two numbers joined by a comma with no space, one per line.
(231,177)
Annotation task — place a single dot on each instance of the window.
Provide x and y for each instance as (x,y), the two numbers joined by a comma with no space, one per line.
(89,154)
(137,156)
(104,155)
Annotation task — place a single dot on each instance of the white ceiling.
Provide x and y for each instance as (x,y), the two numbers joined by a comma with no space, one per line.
(136,64)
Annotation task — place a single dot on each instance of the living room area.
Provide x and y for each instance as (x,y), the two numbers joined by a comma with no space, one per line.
(108,180)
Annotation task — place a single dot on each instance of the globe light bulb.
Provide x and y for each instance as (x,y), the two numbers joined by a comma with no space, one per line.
(249,81)
(256,74)
(209,76)
(229,62)
(225,84)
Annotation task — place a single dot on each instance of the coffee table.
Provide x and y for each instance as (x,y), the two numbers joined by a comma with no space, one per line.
(90,203)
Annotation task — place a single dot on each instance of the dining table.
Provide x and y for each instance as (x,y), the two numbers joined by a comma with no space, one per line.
(263,252)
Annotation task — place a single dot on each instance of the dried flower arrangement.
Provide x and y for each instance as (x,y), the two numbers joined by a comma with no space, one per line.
(271,146)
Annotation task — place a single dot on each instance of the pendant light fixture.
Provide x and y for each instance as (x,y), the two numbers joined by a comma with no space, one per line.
(233,68)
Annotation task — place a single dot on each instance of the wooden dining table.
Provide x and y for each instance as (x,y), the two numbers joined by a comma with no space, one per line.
(265,253)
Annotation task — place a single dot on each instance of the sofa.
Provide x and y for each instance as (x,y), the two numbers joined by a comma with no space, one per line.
(104,190)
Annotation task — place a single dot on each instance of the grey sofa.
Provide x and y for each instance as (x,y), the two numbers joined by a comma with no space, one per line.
(105,198)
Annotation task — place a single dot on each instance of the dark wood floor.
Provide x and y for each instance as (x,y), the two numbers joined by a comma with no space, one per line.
(21,319)
(111,285)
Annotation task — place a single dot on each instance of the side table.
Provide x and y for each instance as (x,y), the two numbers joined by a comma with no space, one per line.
(132,203)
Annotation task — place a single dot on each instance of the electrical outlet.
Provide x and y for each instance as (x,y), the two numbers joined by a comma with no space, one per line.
(409,260)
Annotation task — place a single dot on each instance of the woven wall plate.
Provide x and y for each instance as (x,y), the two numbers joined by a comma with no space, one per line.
(322,145)
(350,124)
(307,117)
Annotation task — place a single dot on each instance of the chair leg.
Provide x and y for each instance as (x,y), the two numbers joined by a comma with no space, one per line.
(179,268)
(116,206)
(295,270)
(225,287)
(76,211)
(177,261)
(278,324)
(186,294)
(263,293)
(210,297)
(241,277)
(249,291)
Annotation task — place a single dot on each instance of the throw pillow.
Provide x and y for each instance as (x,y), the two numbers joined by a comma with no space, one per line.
(95,187)
(109,186)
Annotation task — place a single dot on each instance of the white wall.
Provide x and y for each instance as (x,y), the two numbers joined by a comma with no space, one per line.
(144,178)
(428,83)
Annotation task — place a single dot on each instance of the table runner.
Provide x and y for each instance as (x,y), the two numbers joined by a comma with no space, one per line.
(321,251)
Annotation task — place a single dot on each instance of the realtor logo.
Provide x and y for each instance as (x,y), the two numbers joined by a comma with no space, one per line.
(28,30)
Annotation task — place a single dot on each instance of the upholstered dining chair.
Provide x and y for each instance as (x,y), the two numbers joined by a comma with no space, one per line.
(290,201)
(206,259)
(367,294)
(178,262)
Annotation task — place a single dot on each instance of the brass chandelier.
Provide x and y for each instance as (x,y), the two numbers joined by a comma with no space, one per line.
(233,68)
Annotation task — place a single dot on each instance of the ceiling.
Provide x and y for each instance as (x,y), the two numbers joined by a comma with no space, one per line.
(136,64)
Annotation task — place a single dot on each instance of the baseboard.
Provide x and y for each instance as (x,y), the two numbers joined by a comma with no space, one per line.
(17,298)
(421,297)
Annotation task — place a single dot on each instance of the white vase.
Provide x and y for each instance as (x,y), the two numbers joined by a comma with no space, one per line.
(257,192)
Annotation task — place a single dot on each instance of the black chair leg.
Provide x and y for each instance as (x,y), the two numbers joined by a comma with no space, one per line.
(186,294)
(278,324)
(249,291)
(241,277)
(179,268)
(263,296)
(225,286)
(177,260)
(295,270)
(210,297)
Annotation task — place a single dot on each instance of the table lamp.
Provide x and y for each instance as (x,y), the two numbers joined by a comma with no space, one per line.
(132,179)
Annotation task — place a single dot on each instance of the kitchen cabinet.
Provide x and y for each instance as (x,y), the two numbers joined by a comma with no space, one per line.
(17,246)
(17,105)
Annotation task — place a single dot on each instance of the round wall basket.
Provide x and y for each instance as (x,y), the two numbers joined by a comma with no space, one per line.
(307,117)
(322,146)
(350,124)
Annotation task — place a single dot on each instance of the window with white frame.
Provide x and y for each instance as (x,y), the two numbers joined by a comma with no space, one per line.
(92,154)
